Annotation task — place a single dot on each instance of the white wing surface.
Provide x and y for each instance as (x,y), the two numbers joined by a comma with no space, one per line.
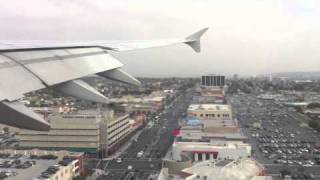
(32,65)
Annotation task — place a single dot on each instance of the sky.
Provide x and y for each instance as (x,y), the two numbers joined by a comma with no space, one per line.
(246,37)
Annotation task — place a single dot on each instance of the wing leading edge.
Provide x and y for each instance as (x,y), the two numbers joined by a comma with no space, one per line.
(32,65)
(193,41)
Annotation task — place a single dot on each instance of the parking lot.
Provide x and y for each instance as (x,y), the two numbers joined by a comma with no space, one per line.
(19,166)
(279,136)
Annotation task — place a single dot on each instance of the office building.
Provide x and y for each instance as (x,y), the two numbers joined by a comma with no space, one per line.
(212,80)
(118,130)
(90,131)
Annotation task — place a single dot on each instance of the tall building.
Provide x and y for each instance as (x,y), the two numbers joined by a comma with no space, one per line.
(212,80)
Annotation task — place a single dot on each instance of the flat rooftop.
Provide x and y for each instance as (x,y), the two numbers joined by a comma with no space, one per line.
(84,115)
(209,107)
(226,169)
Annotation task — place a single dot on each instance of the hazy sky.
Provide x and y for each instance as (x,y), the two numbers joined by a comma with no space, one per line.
(245,36)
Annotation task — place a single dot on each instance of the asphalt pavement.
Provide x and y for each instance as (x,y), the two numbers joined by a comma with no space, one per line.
(282,141)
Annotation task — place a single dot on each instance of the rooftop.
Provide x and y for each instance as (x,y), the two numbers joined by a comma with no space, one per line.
(210,107)
(245,169)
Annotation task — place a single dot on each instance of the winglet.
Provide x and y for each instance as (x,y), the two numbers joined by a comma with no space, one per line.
(194,40)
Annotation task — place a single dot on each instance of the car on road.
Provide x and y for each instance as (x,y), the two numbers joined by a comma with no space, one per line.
(140,154)
(119,160)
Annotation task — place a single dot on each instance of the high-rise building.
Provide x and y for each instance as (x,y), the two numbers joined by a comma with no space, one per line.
(212,80)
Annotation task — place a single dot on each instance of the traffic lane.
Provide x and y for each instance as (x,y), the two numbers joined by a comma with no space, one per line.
(136,146)
(142,165)
(146,137)
(172,115)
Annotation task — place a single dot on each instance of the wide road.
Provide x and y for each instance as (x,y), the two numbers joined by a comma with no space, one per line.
(154,141)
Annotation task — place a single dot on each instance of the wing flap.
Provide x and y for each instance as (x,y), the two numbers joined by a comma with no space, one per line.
(120,75)
(17,115)
(15,81)
(82,90)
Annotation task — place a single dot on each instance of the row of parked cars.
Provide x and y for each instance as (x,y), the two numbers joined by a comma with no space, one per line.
(283,146)
(279,138)
(7,173)
(16,164)
(49,171)
(54,168)
(17,156)
(44,157)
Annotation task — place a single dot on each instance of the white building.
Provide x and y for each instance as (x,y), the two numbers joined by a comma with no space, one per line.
(242,169)
(210,133)
(201,151)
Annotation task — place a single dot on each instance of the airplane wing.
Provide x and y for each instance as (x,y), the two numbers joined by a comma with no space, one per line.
(193,41)
(32,65)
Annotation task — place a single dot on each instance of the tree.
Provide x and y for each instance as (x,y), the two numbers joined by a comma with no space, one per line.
(314,124)
(313,105)
(284,172)
(6,130)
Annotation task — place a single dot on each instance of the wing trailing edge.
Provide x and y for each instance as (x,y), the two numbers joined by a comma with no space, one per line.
(121,76)
(82,90)
(17,115)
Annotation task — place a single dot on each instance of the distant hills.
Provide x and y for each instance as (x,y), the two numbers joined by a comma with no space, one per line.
(297,75)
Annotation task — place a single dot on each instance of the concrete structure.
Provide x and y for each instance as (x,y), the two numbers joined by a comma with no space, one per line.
(118,130)
(89,131)
(210,111)
(174,166)
(146,105)
(242,169)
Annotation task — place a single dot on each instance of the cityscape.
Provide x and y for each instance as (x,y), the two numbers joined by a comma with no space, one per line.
(172,128)
(161,90)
